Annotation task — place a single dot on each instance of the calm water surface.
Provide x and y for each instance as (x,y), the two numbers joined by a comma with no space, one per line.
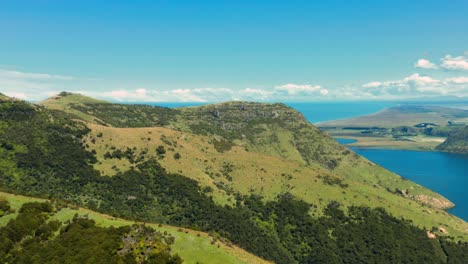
(444,173)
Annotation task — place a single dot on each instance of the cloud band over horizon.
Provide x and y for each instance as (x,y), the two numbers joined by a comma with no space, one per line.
(38,86)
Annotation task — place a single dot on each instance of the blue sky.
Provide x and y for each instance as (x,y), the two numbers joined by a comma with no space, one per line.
(202,50)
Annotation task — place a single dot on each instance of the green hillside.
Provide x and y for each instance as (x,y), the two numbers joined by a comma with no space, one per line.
(226,179)
(192,246)
(456,142)
(66,101)
(270,129)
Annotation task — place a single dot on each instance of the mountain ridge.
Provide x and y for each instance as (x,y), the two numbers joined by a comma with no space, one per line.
(271,129)
(189,162)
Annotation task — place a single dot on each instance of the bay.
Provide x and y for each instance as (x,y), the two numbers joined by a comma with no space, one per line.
(444,173)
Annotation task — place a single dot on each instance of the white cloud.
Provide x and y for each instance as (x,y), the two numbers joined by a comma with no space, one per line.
(293,89)
(9,74)
(120,94)
(38,86)
(425,64)
(32,86)
(415,79)
(213,94)
(323,91)
(372,84)
(455,63)
(259,94)
(419,80)
(457,80)
(140,91)
(415,85)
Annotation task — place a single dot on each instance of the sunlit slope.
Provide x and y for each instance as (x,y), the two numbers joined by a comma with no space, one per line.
(265,149)
(67,101)
(271,129)
(226,170)
(278,130)
(192,246)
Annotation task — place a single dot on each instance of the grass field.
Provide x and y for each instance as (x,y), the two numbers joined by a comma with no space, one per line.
(422,143)
(192,246)
(268,175)
(269,162)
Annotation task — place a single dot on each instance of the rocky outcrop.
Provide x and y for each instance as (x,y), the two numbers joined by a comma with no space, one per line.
(237,115)
(439,203)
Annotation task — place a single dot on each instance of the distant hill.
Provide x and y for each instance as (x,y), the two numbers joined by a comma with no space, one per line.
(457,141)
(420,127)
(404,115)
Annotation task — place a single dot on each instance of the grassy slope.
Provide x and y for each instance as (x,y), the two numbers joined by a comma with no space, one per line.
(287,143)
(286,134)
(192,246)
(64,100)
(268,175)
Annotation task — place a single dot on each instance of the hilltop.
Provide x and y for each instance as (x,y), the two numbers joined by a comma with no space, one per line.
(66,101)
